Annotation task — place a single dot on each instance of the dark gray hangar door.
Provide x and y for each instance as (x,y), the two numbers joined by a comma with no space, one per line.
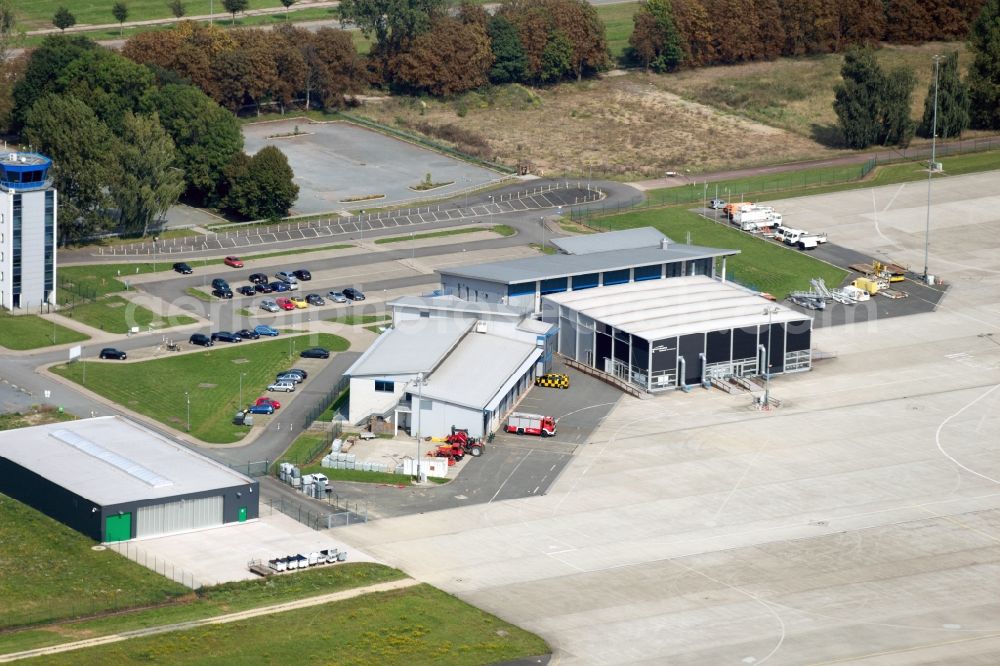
(777,344)
(181,516)
(719,346)
(690,348)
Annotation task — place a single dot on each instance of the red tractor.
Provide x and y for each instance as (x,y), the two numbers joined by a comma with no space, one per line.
(457,445)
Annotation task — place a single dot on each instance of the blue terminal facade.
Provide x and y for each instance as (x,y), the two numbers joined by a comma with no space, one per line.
(28,211)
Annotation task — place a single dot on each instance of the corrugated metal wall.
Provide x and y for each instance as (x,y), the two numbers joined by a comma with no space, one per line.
(178,516)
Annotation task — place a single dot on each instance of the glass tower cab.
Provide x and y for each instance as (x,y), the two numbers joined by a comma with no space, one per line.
(23,172)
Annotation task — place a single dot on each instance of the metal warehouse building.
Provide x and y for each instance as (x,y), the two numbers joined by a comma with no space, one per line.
(675,333)
(115,480)
(638,255)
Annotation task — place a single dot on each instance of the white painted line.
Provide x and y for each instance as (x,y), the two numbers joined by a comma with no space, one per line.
(509,475)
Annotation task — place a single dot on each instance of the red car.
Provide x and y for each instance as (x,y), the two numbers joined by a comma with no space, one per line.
(285,304)
(233,261)
(268,401)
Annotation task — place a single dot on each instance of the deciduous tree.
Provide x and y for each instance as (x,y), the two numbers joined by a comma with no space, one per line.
(509,62)
(287,4)
(63,19)
(952,102)
(234,7)
(984,73)
(655,40)
(735,31)
(120,11)
(146,183)
(46,65)
(261,187)
(109,83)
(177,8)
(557,59)
(695,28)
(392,22)
(450,58)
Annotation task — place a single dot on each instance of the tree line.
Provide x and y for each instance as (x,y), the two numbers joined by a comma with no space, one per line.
(126,143)
(668,34)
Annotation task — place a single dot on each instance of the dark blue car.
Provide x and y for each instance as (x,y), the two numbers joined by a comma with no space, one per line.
(262,409)
(280,286)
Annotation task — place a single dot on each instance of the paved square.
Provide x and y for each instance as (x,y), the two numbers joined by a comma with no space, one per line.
(338,161)
(859,523)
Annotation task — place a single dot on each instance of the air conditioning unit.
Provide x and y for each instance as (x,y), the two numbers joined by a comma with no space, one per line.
(480,326)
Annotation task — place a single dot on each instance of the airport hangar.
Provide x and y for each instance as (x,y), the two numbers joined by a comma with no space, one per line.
(114,480)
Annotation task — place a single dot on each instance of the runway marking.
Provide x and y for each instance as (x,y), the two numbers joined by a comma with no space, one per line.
(937,436)
(892,199)
(509,475)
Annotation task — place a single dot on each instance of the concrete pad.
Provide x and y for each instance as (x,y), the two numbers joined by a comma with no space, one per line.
(858,523)
(220,555)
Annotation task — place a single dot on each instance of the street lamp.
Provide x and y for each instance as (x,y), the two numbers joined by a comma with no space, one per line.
(770,310)
(242,375)
(420,399)
(187,396)
(930,171)
(541,221)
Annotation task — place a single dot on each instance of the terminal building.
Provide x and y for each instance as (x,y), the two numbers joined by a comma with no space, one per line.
(584,262)
(447,362)
(28,211)
(114,480)
(671,334)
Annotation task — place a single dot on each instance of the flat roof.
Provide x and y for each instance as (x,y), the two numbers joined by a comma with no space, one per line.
(626,239)
(657,309)
(450,303)
(477,368)
(23,159)
(547,267)
(411,347)
(111,460)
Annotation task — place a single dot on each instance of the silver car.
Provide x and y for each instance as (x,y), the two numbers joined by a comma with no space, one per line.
(269,305)
(337,297)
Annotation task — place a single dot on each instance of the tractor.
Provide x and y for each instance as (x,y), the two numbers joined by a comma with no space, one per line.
(457,445)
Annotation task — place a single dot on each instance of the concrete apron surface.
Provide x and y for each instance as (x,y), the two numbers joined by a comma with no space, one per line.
(859,522)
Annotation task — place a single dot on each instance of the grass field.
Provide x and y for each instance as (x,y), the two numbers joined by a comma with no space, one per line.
(437,234)
(157,388)
(49,571)
(31,332)
(417,625)
(38,13)
(617,21)
(115,314)
(356,320)
(208,602)
(303,450)
(761,265)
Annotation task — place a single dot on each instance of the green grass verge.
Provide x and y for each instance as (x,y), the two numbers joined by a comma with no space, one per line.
(48,572)
(37,416)
(93,280)
(115,314)
(38,13)
(305,450)
(359,476)
(761,265)
(397,627)
(334,407)
(432,234)
(355,320)
(21,332)
(194,292)
(157,388)
(548,249)
(503,229)
(208,602)
(618,25)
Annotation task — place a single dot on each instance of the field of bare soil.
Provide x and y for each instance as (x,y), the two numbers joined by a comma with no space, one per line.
(634,124)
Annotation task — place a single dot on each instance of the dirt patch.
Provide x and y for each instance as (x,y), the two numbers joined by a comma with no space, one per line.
(207,386)
(240,361)
(174,419)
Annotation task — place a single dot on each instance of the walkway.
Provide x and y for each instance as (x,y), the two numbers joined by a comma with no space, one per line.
(219,619)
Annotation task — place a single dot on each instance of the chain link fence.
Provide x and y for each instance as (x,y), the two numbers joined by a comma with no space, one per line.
(343,512)
(157,564)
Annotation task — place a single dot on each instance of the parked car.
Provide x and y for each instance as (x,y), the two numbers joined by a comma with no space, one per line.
(247,290)
(201,339)
(716,204)
(114,354)
(282,387)
(265,408)
(294,379)
(315,352)
(258,278)
(337,297)
(295,371)
(270,401)
(226,336)
(247,334)
(183,268)
(286,276)
(270,306)
(280,286)
(315,299)
(285,304)
(223,292)
(262,329)
(299,302)
(233,261)
(303,274)
(219,283)
(262,288)
(353,294)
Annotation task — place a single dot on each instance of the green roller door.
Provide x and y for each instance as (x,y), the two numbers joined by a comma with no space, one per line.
(118,528)
(243,514)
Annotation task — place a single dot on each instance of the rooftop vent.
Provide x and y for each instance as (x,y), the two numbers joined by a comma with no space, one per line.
(664,243)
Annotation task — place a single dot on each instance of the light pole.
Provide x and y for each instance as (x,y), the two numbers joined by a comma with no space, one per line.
(187,396)
(420,398)
(541,221)
(242,375)
(770,310)
(930,171)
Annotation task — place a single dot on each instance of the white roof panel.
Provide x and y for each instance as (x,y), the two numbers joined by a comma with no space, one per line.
(410,347)
(658,309)
(111,460)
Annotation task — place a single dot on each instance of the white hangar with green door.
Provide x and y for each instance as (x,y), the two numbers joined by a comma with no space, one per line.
(114,480)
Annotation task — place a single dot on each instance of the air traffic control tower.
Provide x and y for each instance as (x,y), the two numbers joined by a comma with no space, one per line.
(27,232)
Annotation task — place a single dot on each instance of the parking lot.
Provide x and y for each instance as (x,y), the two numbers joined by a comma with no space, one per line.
(856,524)
(337,161)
